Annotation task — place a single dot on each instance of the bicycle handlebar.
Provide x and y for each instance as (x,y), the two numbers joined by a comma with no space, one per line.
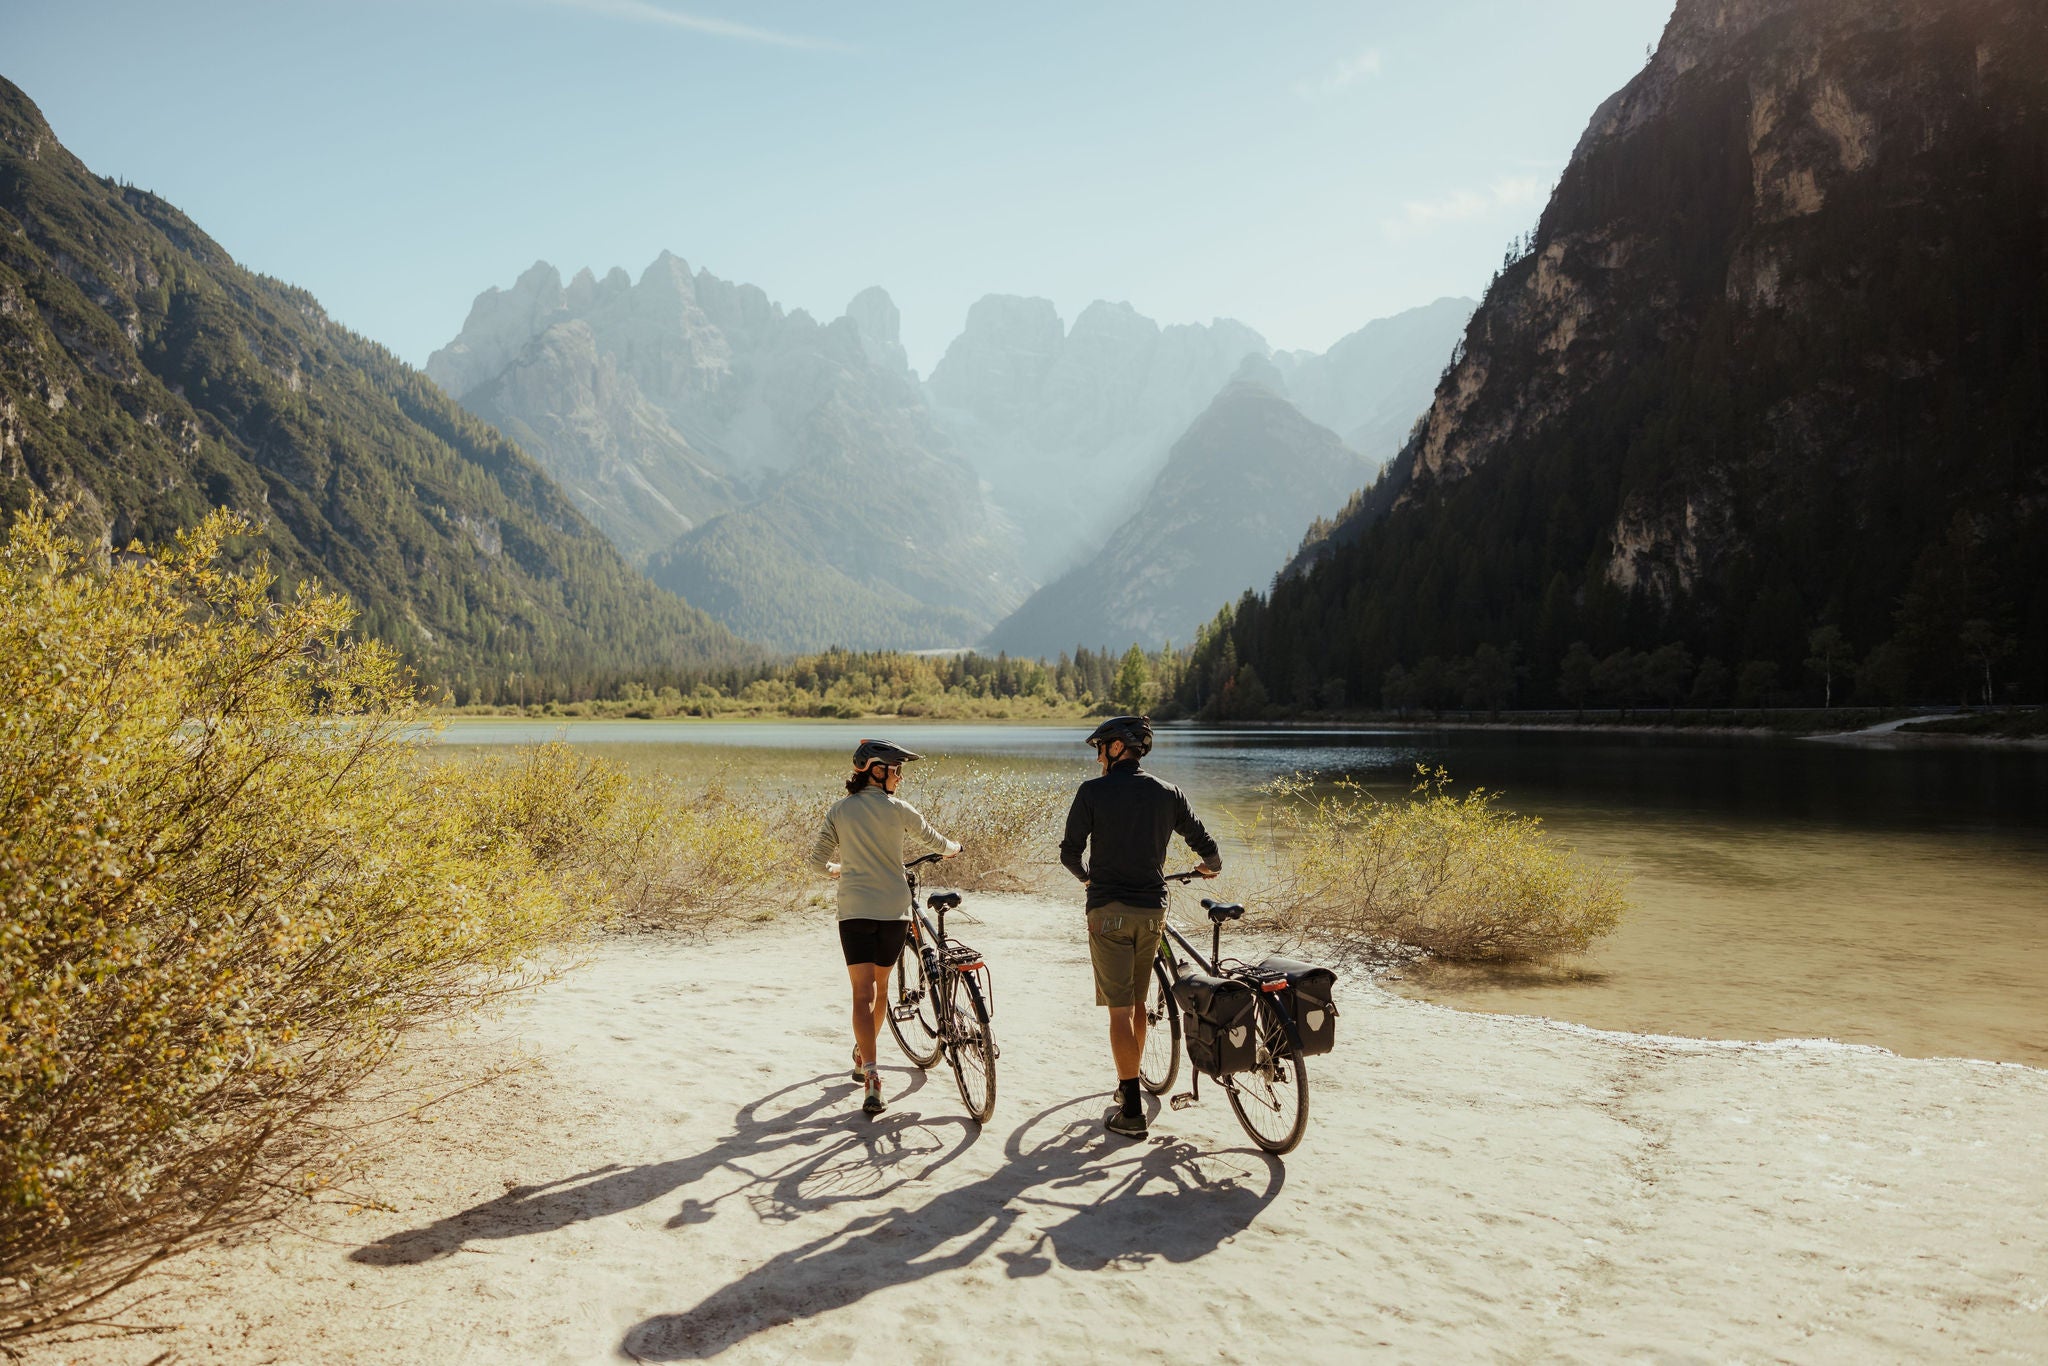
(1184,878)
(920,862)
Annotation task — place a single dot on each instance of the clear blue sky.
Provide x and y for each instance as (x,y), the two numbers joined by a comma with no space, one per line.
(1305,167)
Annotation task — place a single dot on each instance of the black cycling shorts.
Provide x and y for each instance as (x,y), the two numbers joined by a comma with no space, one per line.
(872,941)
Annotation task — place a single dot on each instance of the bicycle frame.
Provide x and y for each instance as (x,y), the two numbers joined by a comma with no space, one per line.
(1271,996)
(933,946)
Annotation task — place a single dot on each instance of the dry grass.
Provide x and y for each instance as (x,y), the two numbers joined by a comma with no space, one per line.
(1008,825)
(657,853)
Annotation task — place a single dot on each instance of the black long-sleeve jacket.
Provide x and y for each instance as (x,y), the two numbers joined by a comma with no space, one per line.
(1126,819)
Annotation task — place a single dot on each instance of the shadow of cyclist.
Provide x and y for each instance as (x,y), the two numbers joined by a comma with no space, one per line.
(1127,1203)
(833,1154)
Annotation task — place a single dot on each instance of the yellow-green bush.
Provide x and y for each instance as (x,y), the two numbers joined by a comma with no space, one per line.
(228,884)
(1454,876)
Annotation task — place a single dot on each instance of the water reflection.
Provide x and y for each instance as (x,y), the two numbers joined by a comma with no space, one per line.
(1783,888)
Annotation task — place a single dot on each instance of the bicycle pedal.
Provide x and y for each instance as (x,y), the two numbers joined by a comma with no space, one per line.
(1183,1100)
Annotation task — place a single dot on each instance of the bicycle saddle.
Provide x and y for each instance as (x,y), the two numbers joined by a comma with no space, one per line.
(943,901)
(1220,911)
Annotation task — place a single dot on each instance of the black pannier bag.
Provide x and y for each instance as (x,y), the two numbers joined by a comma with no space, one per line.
(1222,1019)
(1309,998)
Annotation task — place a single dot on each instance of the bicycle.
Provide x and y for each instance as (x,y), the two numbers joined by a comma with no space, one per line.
(1271,1099)
(945,999)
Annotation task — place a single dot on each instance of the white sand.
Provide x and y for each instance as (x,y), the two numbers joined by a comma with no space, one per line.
(687,1174)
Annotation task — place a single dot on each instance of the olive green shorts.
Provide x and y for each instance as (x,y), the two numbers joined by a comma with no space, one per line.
(1122,941)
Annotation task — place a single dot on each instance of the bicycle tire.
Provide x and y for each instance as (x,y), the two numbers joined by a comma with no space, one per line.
(1271,1100)
(971,1046)
(1160,1062)
(911,997)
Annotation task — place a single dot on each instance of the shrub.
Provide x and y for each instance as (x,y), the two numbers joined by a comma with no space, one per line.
(1008,825)
(229,882)
(1453,876)
(678,857)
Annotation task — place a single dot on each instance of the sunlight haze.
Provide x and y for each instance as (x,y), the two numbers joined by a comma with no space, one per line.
(1303,169)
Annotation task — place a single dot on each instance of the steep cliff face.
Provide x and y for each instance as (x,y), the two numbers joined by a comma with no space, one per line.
(1775,360)
(1219,519)
(149,379)
(744,454)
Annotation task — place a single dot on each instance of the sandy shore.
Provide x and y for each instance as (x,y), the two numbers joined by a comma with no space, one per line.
(683,1172)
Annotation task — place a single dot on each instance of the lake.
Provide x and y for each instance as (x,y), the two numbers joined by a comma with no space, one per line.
(1782,888)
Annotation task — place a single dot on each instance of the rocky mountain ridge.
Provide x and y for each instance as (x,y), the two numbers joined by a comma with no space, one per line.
(1777,361)
(744,454)
(1220,518)
(783,472)
(150,379)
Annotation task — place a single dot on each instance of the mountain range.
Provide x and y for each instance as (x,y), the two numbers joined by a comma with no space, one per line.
(784,474)
(149,378)
(1773,371)
(1237,490)
(798,482)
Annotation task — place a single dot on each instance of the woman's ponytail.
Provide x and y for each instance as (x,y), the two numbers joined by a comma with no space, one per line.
(862,778)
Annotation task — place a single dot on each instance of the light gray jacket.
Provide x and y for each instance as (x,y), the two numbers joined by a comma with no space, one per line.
(866,833)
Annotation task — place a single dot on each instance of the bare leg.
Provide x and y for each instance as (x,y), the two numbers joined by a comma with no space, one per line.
(879,1021)
(1127,1038)
(867,1006)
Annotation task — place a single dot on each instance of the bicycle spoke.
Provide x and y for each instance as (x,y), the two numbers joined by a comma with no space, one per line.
(1271,1100)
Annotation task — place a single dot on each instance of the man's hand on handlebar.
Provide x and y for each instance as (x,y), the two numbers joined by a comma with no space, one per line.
(1206,871)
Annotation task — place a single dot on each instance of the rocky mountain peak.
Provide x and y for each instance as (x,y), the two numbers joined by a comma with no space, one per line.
(880,324)
(1220,517)
(1259,372)
(500,323)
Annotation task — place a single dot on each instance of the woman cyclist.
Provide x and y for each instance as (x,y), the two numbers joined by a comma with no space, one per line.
(861,844)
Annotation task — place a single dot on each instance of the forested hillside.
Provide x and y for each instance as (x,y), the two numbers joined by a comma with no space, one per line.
(1760,413)
(148,379)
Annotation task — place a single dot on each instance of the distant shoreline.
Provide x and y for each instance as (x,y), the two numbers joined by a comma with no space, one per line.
(1881,735)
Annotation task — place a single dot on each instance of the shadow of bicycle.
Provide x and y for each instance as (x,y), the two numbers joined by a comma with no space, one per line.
(833,1154)
(1125,1204)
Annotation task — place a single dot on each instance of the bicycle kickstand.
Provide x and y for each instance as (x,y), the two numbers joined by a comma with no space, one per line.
(1190,1096)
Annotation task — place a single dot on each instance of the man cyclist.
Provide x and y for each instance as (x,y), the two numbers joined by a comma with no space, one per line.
(1125,820)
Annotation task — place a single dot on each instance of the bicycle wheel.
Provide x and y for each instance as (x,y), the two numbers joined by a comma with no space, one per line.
(1160,1063)
(971,1045)
(913,1010)
(1271,1100)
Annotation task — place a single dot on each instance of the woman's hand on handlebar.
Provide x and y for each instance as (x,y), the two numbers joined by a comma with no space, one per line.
(831,870)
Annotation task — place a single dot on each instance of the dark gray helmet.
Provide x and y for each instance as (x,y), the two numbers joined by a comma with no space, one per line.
(881,752)
(1134,731)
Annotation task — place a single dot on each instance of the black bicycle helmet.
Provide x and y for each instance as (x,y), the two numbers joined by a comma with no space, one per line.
(881,752)
(1134,731)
